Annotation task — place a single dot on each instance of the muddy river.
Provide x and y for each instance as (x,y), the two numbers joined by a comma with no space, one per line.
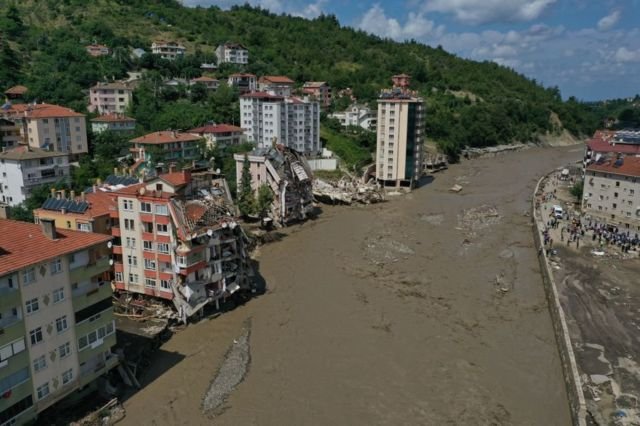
(428,309)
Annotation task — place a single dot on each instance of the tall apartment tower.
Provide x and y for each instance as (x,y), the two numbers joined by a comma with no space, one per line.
(400,135)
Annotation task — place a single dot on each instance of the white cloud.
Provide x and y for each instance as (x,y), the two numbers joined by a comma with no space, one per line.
(625,55)
(417,26)
(312,10)
(486,11)
(609,21)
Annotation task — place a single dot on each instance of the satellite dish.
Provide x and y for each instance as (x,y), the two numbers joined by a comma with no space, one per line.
(210,232)
(111,262)
(218,171)
(142,191)
(225,224)
(232,225)
(110,244)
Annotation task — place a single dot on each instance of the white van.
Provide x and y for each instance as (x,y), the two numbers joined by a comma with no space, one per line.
(558,213)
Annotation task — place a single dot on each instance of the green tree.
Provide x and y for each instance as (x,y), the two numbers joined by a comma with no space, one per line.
(265,198)
(246,199)
(577,190)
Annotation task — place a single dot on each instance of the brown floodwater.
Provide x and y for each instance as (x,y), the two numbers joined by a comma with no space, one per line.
(428,309)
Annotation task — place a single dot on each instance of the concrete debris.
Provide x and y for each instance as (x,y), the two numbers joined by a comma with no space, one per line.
(230,375)
(111,413)
(492,151)
(455,188)
(347,191)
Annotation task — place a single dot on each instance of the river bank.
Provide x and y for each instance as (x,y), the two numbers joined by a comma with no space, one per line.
(388,314)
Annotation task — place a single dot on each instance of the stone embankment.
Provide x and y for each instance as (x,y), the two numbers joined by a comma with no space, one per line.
(563,339)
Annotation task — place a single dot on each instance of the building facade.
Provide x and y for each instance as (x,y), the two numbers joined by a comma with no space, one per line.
(9,134)
(612,191)
(208,82)
(57,317)
(51,127)
(168,145)
(319,91)
(277,85)
(24,168)
(220,134)
(400,135)
(357,115)
(232,53)
(168,49)
(246,83)
(96,50)
(110,98)
(292,122)
(114,123)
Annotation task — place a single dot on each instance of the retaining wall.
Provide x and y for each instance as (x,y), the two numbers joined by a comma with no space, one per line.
(569,367)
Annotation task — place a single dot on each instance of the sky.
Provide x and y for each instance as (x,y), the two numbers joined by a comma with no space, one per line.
(590,49)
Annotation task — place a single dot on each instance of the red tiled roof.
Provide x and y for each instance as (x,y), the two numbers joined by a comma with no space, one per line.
(100,204)
(261,95)
(630,167)
(216,128)
(23,244)
(281,79)
(110,118)
(176,178)
(194,211)
(165,137)
(602,142)
(241,74)
(42,111)
(205,78)
(16,90)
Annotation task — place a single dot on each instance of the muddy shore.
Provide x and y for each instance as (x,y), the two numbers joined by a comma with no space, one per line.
(428,309)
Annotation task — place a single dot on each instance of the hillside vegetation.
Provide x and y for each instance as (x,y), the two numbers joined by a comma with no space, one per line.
(469,103)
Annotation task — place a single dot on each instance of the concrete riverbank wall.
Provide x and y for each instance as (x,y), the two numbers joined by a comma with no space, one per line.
(569,367)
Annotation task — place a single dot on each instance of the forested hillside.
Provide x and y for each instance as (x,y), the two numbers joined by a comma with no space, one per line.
(469,103)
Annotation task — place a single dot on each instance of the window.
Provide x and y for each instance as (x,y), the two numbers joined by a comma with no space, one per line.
(28,276)
(119,277)
(145,207)
(133,278)
(127,205)
(39,363)
(158,187)
(36,336)
(58,295)
(147,227)
(43,390)
(64,350)
(55,267)
(147,245)
(162,228)
(617,183)
(84,227)
(67,376)
(32,305)
(149,282)
(131,242)
(150,264)
(165,284)
(162,209)
(132,260)
(82,343)
(163,248)
(61,324)
(128,225)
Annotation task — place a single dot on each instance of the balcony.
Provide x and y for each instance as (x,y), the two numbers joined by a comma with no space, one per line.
(11,328)
(9,297)
(89,294)
(91,269)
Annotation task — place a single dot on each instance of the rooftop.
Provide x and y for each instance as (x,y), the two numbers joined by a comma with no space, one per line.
(25,152)
(18,240)
(627,166)
(262,95)
(16,90)
(232,45)
(110,118)
(280,79)
(41,111)
(116,85)
(165,137)
(603,141)
(314,84)
(205,78)
(242,74)
(216,128)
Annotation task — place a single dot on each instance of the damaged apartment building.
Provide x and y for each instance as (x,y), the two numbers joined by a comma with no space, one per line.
(288,175)
(175,238)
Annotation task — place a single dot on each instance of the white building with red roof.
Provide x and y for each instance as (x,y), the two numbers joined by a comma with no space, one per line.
(243,81)
(318,90)
(208,82)
(113,122)
(220,134)
(173,146)
(96,50)
(279,85)
(232,53)
(293,122)
(612,191)
(611,142)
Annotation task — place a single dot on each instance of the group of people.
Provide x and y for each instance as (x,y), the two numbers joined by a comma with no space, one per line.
(612,235)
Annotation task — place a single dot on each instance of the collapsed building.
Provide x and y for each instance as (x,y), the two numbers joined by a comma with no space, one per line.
(177,239)
(287,173)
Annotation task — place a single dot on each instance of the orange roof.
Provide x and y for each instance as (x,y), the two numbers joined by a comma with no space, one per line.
(23,244)
(216,128)
(100,204)
(165,137)
(204,78)
(112,118)
(630,167)
(314,84)
(281,79)
(176,178)
(16,90)
(42,111)
(241,74)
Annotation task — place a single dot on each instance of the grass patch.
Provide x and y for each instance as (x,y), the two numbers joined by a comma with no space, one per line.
(346,148)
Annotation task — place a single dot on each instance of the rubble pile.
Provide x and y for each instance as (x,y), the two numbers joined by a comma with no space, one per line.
(347,191)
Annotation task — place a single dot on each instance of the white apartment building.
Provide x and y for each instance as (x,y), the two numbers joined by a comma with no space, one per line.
(57,316)
(109,98)
(278,85)
(293,122)
(113,122)
(168,49)
(612,191)
(232,53)
(400,136)
(24,168)
(51,127)
(245,83)
(357,115)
